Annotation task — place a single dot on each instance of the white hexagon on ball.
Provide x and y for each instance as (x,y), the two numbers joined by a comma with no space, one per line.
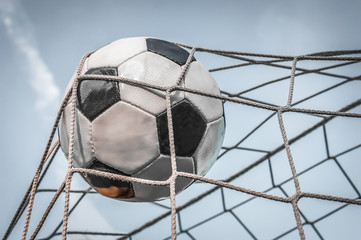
(125,137)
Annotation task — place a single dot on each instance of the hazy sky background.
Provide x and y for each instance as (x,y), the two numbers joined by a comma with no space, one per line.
(42,41)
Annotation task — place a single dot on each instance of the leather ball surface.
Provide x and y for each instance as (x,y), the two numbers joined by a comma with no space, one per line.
(122,128)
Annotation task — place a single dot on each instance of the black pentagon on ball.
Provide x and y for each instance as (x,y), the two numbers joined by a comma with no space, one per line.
(96,96)
(188,127)
(110,71)
(169,50)
(109,187)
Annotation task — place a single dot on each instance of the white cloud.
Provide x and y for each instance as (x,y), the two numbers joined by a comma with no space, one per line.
(41,79)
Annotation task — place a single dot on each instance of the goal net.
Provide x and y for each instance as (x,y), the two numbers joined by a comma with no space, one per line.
(289,167)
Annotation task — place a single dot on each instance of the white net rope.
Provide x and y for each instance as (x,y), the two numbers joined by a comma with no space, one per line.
(280,111)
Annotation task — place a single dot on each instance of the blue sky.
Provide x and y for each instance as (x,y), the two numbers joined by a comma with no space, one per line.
(41,43)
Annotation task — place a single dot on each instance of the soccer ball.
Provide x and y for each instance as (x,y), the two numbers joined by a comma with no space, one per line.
(122,128)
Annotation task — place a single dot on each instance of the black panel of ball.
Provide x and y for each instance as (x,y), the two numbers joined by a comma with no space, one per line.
(168,50)
(188,127)
(96,96)
(109,187)
(110,71)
